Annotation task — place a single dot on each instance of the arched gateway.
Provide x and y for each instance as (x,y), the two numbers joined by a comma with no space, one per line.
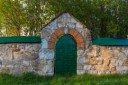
(64,41)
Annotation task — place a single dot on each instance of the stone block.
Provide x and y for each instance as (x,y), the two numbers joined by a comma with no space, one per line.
(42,62)
(26,63)
(106,62)
(105,53)
(122,68)
(21,47)
(87,67)
(34,64)
(92,61)
(49,62)
(125,63)
(98,67)
(113,61)
(121,55)
(113,69)
(80,53)
(46,34)
(79,25)
(48,69)
(46,54)
(80,72)
(106,68)
(16,55)
(36,47)
(28,55)
(99,62)
(7,62)
(53,25)
(119,62)
(82,60)
(93,53)
(15,49)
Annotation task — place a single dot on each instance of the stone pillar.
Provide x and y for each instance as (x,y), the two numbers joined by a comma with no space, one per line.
(46,60)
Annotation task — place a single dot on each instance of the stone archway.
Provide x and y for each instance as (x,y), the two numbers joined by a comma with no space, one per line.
(60,31)
(52,31)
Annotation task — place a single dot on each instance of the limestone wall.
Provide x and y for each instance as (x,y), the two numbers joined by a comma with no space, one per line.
(106,60)
(17,58)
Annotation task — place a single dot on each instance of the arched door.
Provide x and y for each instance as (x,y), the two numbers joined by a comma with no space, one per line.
(65,55)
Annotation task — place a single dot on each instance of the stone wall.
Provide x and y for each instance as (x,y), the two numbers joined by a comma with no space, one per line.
(17,58)
(106,60)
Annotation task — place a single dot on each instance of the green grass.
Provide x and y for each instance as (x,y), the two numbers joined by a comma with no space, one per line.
(87,79)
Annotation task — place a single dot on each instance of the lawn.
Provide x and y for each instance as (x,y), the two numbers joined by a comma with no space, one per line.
(87,79)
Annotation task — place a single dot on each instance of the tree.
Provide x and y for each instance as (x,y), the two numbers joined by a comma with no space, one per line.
(37,14)
(25,17)
(13,17)
(105,18)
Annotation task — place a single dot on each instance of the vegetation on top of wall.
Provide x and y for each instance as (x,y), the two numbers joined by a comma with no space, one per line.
(110,41)
(20,39)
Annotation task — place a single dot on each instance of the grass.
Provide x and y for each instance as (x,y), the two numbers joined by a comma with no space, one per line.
(87,79)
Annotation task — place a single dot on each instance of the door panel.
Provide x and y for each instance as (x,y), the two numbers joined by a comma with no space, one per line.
(65,55)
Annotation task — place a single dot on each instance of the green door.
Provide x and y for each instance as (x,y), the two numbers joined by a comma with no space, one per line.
(65,55)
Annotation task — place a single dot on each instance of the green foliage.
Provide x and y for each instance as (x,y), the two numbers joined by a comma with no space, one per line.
(106,18)
(36,12)
(87,79)
(113,28)
(24,17)
(13,14)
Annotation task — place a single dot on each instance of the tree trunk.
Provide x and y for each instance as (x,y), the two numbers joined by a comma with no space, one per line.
(18,31)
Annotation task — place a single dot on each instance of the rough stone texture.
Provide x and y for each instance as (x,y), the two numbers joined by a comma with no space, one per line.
(46,62)
(17,58)
(107,60)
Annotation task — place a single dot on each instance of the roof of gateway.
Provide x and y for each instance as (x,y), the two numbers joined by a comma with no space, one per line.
(110,42)
(60,14)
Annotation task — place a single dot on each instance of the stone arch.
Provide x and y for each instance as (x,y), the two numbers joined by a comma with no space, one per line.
(73,32)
